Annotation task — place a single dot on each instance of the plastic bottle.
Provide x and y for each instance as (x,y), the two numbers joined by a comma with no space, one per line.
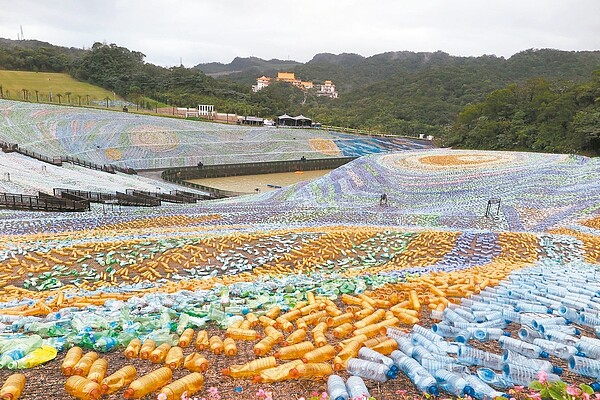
(521,347)
(195,362)
(510,357)
(433,365)
(35,358)
(341,319)
(349,351)
(468,355)
(118,379)
(216,345)
(174,357)
(242,334)
(385,347)
(480,389)
(528,334)
(264,345)
(428,333)
(357,388)
(522,375)
(105,344)
(320,354)
(319,338)
(420,377)
(311,371)
(463,336)
(191,384)
(370,370)
(186,338)
(229,347)
(12,387)
(148,383)
(366,353)
(250,368)
(562,337)
(336,388)
(84,364)
(82,388)
(274,333)
(343,330)
(295,337)
(584,366)
(276,374)
(158,354)
(451,382)
(485,334)
(294,351)
(444,330)
(557,349)
(133,348)
(98,370)
(488,376)
(71,359)
(201,340)
(590,349)
(147,348)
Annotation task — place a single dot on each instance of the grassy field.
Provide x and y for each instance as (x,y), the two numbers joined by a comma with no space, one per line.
(49,86)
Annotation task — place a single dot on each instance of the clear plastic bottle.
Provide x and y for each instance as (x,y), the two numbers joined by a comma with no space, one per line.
(433,365)
(490,377)
(12,387)
(357,388)
(82,368)
(557,349)
(174,358)
(481,390)
(311,370)
(190,383)
(510,357)
(366,353)
(420,377)
(148,383)
(523,376)
(82,388)
(589,349)
(485,334)
(585,366)
(451,382)
(562,337)
(336,388)
(158,354)
(446,331)
(528,334)
(428,333)
(521,347)
(71,359)
(118,379)
(320,354)
(468,355)
(98,370)
(106,344)
(294,351)
(195,362)
(370,370)
(250,368)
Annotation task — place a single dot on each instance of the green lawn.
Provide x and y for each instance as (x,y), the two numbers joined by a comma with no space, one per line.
(46,83)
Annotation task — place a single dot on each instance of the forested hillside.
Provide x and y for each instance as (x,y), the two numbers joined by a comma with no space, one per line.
(404,93)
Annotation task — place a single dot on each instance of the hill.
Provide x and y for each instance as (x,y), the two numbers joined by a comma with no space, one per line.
(50,87)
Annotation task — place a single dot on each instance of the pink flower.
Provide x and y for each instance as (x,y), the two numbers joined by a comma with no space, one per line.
(585,396)
(261,393)
(535,396)
(542,376)
(324,396)
(572,390)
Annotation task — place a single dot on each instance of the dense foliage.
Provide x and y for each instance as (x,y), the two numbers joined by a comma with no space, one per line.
(542,100)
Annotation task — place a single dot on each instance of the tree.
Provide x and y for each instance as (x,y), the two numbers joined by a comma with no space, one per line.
(68,97)
(37,96)
(59,97)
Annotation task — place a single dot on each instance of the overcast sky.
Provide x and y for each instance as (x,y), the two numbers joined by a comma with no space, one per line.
(219,30)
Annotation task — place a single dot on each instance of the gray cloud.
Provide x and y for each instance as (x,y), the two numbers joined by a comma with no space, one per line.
(218,30)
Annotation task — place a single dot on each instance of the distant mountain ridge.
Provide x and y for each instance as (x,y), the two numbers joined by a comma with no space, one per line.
(241,64)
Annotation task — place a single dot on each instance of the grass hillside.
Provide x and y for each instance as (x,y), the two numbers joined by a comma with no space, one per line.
(13,83)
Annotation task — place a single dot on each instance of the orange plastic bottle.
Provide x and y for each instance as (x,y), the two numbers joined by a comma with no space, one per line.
(71,359)
(148,383)
(343,330)
(264,346)
(82,368)
(295,337)
(347,299)
(82,388)
(186,338)
(311,371)
(12,387)
(229,347)
(215,343)
(236,324)
(202,340)
(252,319)
(333,311)
(133,348)
(370,319)
(341,319)
(350,350)
(386,347)
(276,374)
(320,354)
(274,333)
(191,384)
(158,354)
(314,317)
(338,364)
(365,312)
(242,334)
(147,348)
(266,321)
(245,324)
(98,370)
(250,368)
(319,338)
(273,312)
(358,338)
(310,297)
(174,358)
(294,351)
(291,315)
(195,362)
(321,326)
(312,308)
(284,324)
(370,343)
(118,380)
